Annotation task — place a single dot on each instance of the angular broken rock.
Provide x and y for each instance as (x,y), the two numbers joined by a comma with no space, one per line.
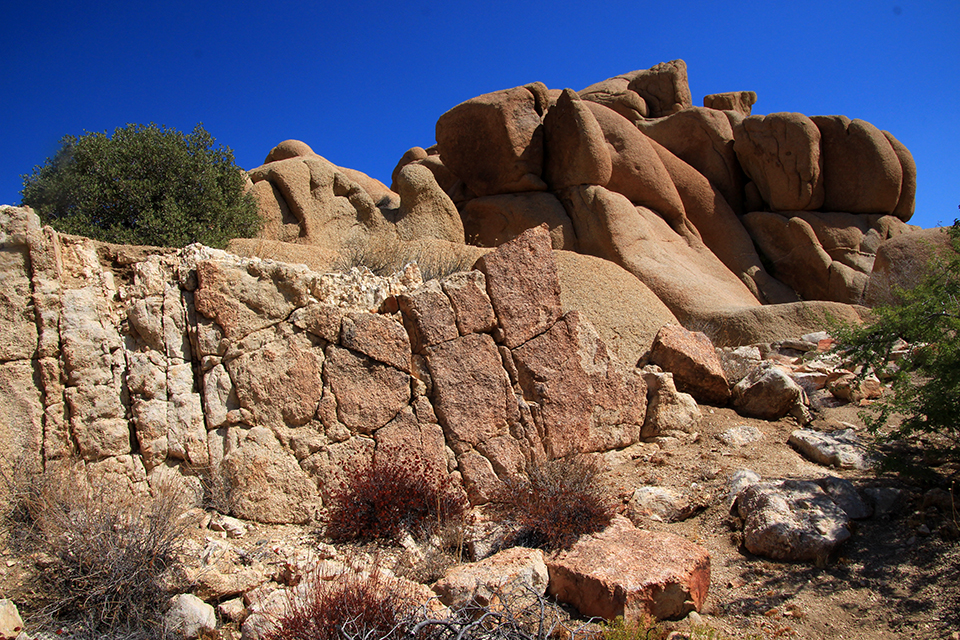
(792,520)
(838,449)
(693,361)
(481,583)
(659,503)
(629,572)
(766,392)
(522,281)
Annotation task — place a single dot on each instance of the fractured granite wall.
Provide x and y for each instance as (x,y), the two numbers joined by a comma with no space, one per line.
(139,364)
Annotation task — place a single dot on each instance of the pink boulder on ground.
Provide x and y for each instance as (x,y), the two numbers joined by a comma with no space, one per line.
(692,359)
(629,572)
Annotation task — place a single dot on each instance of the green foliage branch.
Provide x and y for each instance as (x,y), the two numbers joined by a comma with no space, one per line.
(146,184)
(926,379)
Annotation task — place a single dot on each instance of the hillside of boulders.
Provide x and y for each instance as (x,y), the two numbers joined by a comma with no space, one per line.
(611,278)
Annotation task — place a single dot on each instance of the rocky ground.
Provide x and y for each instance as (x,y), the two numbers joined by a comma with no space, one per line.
(898,576)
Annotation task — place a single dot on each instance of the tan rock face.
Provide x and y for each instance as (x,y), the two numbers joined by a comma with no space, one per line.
(692,359)
(861,170)
(703,138)
(637,171)
(663,87)
(494,142)
(901,262)
(780,152)
(624,571)
(492,220)
(740,101)
(576,152)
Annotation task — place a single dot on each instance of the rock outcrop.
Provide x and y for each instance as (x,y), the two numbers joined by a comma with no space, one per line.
(276,378)
(627,170)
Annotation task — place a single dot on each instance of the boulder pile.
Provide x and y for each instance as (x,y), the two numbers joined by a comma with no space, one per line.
(716,210)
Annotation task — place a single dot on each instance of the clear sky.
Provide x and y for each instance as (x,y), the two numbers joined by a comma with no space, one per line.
(361,82)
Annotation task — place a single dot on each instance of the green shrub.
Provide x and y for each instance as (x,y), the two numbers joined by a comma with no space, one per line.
(556,503)
(146,185)
(926,380)
(391,496)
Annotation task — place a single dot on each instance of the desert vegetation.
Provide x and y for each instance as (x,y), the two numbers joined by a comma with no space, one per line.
(105,558)
(145,184)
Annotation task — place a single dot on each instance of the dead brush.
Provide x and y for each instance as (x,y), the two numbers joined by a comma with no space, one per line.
(355,606)
(557,502)
(391,496)
(103,554)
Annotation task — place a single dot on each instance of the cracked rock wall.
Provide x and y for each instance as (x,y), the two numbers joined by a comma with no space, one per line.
(136,365)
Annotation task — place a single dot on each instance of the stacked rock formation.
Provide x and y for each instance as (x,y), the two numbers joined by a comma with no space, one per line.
(630,171)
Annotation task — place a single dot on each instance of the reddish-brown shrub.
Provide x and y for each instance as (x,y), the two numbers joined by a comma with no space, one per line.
(390,496)
(368,606)
(556,503)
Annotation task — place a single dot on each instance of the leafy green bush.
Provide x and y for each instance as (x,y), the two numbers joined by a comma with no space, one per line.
(144,185)
(556,503)
(926,380)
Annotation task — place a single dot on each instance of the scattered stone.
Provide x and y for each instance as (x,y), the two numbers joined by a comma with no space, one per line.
(233,527)
(791,520)
(693,361)
(739,481)
(625,571)
(659,503)
(841,449)
(886,500)
(188,617)
(232,610)
(481,583)
(846,496)
(767,392)
(10,622)
(740,435)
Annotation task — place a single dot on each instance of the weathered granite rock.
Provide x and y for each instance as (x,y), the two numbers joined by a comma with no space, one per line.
(780,152)
(494,142)
(267,485)
(575,149)
(492,220)
(791,520)
(841,449)
(624,571)
(661,504)
(11,624)
(739,101)
(667,408)
(472,309)
(693,361)
(766,392)
(522,283)
(663,87)
(861,171)
(481,583)
(189,617)
(587,402)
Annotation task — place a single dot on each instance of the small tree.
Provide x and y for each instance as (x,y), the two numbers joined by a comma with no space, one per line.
(144,185)
(926,380)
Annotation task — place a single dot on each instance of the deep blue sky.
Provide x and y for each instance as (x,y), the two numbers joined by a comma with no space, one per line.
(361,82)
